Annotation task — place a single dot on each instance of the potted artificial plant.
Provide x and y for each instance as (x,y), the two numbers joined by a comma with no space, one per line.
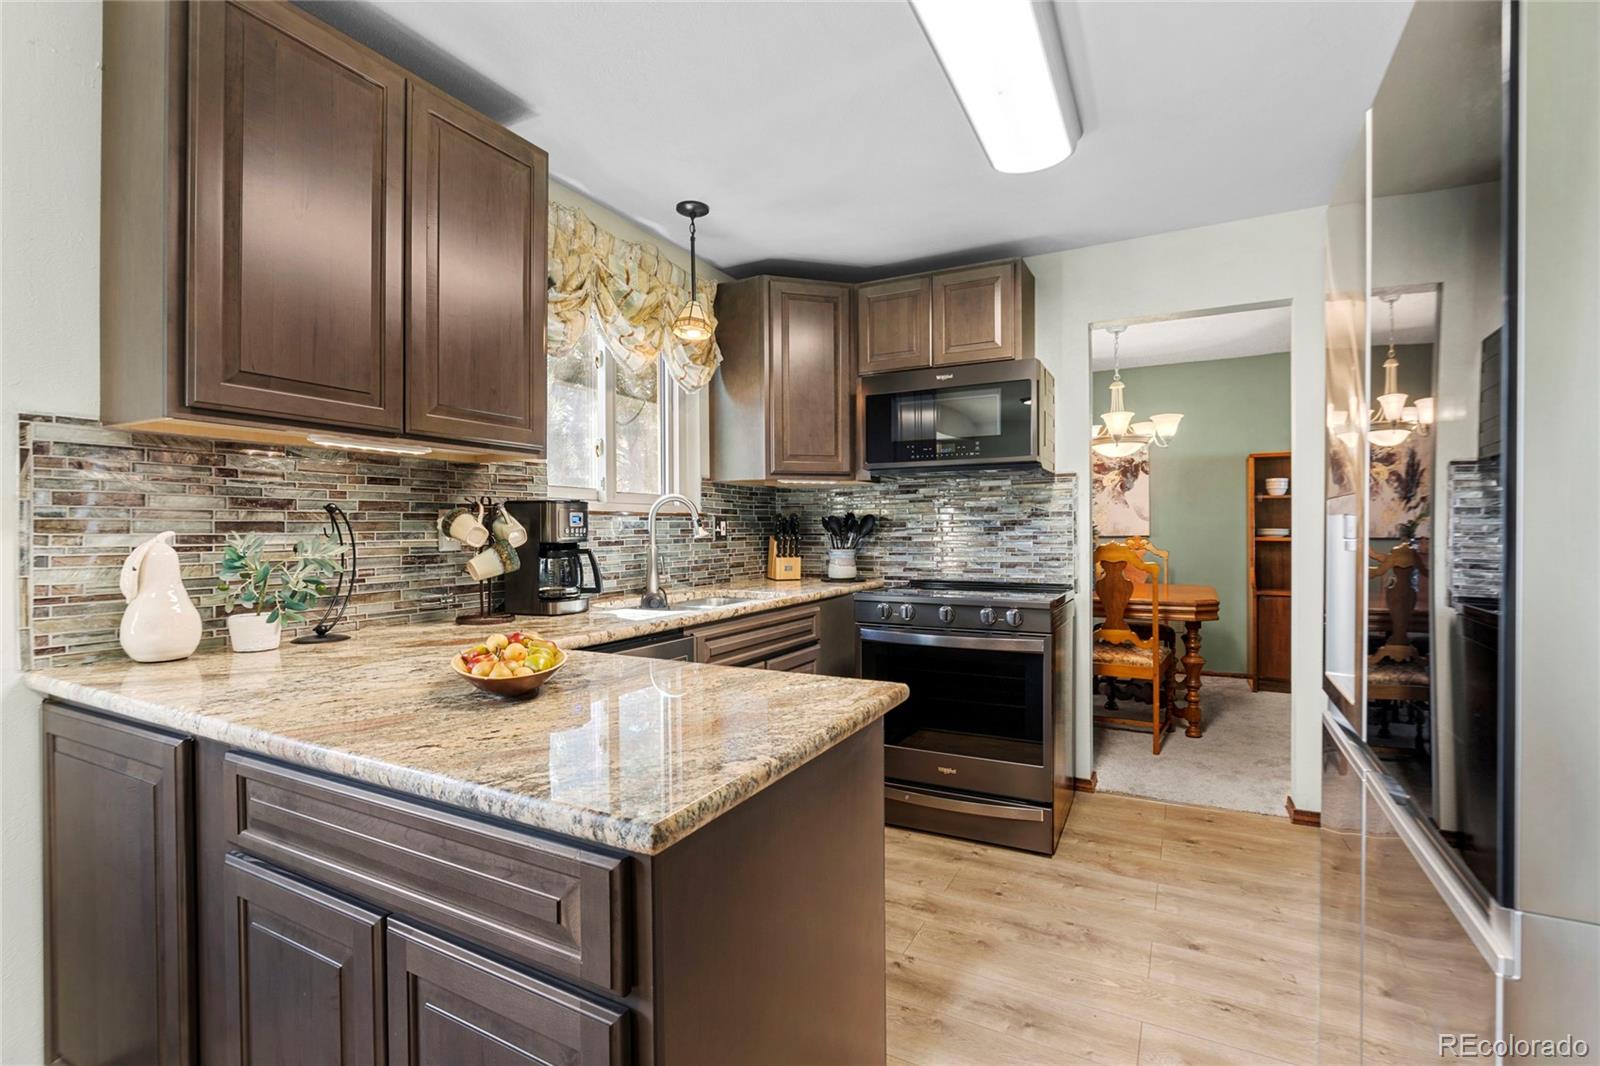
(270,592)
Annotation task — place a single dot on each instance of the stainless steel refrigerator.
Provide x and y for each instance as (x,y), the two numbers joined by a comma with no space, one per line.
(1461,740)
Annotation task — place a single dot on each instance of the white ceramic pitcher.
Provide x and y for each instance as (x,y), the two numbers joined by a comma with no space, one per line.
(160,622)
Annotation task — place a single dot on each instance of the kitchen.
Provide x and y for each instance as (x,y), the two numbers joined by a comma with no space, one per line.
(629,589)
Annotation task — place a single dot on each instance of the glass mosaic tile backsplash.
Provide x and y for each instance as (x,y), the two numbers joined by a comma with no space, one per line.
(90,494)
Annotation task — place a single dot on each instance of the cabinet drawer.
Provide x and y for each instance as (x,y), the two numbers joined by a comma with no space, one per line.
(449,1005)
(752,640)
(801,661)
(553,905)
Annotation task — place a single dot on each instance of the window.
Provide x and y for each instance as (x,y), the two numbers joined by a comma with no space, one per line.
(611,429)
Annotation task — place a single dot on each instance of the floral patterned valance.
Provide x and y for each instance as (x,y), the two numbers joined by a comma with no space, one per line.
(630,293)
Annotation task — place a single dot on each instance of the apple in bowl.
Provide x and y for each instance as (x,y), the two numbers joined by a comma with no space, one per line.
(509,664)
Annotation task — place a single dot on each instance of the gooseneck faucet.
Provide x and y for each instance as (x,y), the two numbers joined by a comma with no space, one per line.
(653,598)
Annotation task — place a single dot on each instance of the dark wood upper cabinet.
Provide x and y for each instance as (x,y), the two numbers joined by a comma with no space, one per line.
(297,150)
(298,234)
(809,377)
(893,325)
(982,313)
(304,972)
(449,1006)
(478,277)
(781,402)
(119,892)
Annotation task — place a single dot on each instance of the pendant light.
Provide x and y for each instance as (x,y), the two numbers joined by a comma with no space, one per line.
(1121,436)
(1394,420)
(693,325)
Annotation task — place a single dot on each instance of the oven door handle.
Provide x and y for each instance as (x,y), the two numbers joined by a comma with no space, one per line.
(960,806)
(975,642)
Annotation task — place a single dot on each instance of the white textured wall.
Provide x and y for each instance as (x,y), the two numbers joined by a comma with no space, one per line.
(49,361)
(1273,259)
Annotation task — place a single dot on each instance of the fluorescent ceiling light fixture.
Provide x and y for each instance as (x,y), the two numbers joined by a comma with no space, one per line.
(1004,60)
(357,444)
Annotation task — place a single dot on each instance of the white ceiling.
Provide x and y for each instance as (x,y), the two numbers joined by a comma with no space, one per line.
(1197,337)
(826,138)
(1416,318)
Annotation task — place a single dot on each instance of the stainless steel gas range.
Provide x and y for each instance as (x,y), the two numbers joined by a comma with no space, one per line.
(983,748)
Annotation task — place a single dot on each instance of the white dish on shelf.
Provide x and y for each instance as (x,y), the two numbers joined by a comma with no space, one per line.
(1271,531)
(1277,486)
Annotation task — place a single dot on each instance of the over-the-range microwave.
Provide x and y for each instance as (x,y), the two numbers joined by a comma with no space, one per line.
(981,414)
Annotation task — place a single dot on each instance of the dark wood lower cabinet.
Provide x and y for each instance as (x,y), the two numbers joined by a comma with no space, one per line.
(297,959)
(449,1006)
(119,892)
(304,971)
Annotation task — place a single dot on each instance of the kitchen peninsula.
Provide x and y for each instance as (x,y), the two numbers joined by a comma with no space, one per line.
(347,846)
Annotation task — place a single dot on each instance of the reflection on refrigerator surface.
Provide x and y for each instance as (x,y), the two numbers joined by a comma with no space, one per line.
(1422,976)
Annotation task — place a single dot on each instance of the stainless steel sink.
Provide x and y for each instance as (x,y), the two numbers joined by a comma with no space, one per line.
(708,602)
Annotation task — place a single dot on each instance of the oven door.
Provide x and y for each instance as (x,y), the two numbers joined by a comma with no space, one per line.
(978,717)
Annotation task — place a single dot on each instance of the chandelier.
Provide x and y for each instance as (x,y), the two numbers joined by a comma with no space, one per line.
(1394,420)
(1121,436)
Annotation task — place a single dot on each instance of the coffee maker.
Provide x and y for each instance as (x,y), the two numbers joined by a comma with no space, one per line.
(550,580)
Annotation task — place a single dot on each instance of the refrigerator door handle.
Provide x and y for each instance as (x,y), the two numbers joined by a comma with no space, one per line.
(1494,930)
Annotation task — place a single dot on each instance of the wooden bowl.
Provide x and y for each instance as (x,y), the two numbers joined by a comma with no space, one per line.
(515,688)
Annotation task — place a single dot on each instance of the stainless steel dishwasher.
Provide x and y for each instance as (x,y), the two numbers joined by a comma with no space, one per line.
(673,646)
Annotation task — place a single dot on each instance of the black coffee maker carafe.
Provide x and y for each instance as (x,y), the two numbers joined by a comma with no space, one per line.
(550,580)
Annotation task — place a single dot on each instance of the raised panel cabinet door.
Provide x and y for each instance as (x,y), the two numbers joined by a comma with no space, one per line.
(894,321)
(119,892)
(297,157)
(450,1006)
(1272,638)
(975,314)
(809,378)
(475,351)
(304,971)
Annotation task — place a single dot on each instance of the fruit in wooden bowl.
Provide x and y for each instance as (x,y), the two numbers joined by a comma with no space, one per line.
(509,664)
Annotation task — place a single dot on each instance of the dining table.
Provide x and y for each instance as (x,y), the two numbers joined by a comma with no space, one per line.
(1193,605)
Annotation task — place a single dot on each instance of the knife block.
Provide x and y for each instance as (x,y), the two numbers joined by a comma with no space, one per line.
(781,567)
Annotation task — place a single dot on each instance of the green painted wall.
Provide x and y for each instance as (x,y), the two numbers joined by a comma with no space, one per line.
(1231,407)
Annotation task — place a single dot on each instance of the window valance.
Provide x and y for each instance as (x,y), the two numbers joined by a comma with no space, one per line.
(630,292)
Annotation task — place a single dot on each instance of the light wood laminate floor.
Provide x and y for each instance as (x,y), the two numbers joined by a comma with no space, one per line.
(1156,934)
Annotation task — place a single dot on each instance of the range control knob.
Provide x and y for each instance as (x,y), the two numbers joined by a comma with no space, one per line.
(907,612)
(884,610)
(1014,617)
(947,614)
(986,616)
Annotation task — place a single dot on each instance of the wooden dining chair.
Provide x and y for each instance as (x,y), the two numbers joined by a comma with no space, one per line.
(1397,671)
(1143,546)
(1145,549)
(1122,655)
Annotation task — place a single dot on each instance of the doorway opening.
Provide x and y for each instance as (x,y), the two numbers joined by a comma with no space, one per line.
(1190,492)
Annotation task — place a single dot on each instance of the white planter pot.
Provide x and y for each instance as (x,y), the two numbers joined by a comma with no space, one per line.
(252,632)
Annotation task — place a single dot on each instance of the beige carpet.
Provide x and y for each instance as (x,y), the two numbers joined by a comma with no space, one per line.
(1241,764)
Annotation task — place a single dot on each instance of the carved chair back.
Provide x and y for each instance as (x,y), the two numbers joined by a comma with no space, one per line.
(1114,586)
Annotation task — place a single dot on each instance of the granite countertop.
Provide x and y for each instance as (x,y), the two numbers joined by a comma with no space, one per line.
(623,751)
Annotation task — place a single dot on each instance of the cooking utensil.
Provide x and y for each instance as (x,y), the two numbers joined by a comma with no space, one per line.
(869,526)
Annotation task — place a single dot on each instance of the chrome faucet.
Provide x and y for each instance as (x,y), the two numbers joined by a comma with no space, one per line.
(653,598)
